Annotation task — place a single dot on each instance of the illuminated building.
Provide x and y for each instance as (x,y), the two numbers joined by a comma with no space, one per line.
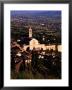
(34,43)
(30,32)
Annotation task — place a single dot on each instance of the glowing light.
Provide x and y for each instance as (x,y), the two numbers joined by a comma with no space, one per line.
(59,48)
(30,60)
(39,56)
(18,54)
(18,40)
(26,61)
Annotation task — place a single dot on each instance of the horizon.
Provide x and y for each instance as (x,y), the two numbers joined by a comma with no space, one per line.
(36,12)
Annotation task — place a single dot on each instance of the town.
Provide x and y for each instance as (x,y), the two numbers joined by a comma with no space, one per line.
(36,45)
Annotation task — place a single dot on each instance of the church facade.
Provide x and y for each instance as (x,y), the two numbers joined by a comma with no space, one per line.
(34,43)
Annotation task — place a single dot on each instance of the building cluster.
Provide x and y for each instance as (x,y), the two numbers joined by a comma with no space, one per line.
(35,47)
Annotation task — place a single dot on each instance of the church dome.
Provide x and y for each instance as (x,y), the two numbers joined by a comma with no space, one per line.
(34,42)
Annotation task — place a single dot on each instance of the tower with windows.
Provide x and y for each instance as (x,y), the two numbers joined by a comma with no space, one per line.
(30,32)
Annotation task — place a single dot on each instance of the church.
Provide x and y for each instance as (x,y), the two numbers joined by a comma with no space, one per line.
(34,43)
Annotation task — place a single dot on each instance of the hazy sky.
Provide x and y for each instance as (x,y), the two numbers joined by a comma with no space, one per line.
(40,12)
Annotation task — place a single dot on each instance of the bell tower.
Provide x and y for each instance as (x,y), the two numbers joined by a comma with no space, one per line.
(30,32)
